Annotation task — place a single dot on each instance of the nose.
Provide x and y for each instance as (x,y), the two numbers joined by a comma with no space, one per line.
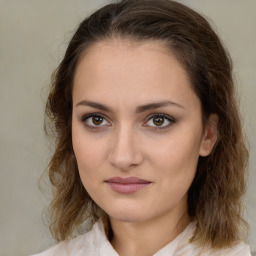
(125,151)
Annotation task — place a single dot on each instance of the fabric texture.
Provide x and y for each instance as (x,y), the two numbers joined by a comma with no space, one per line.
(95,243)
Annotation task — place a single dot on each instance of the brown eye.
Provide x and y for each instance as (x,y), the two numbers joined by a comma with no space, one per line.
(97,120)
(158,121)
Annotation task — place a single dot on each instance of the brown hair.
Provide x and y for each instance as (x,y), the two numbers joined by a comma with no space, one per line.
(214,198)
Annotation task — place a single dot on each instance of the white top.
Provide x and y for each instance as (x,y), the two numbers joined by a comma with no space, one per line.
(95,243)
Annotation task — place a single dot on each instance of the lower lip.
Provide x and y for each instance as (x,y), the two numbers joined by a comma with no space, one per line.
(127,188)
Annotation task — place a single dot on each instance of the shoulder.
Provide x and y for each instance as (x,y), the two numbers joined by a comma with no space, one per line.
(240,249)
(65,248)
(81,245)
(186,247)
(192,250)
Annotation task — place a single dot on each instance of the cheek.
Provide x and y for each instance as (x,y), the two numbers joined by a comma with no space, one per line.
(89,156)
(176,159)
(181,150)
(90,152)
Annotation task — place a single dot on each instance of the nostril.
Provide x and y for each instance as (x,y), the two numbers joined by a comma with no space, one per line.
(124,159)
(125,151)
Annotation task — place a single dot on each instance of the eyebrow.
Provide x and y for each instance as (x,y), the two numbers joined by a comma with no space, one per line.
(139,109)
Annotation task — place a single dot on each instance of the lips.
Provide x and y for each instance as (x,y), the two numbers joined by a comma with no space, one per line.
(127,185)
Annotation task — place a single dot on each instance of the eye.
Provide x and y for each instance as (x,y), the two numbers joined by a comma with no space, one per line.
(160,121)
(95,121)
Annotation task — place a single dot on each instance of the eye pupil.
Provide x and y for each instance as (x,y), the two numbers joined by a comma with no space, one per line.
(97,120)
(158,121)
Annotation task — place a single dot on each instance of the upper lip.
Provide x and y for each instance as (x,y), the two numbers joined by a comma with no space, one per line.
(128,180)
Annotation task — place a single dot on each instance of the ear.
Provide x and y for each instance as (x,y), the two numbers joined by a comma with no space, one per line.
(210,135)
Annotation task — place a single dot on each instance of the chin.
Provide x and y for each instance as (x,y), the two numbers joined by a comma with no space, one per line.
(126,215)
(127,219)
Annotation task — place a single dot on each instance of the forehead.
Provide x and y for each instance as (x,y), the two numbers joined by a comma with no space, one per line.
(118,57)
(131,71)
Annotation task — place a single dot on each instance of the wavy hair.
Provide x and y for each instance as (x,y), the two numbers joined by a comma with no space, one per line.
(215,196)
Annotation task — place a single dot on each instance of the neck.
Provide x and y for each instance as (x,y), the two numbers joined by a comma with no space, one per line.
(146,238)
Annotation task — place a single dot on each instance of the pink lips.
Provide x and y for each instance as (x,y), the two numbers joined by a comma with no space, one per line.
(127,185)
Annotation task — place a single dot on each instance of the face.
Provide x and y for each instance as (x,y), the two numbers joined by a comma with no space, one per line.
(136,129)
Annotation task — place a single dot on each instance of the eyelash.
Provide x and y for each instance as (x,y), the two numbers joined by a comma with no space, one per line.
(165,117)
(86,117)
(156,115)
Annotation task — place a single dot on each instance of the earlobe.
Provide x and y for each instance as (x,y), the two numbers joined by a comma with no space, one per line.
(210,135)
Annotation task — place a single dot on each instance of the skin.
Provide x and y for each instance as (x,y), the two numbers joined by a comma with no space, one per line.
(123,75)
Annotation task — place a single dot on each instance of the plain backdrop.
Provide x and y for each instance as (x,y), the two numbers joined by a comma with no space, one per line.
(33,38)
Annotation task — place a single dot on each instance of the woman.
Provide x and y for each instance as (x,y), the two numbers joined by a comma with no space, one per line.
(149,144)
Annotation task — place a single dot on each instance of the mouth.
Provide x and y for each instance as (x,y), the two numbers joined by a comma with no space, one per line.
(127,185)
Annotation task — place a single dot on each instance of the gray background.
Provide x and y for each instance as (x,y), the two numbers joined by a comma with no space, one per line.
(33,37)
